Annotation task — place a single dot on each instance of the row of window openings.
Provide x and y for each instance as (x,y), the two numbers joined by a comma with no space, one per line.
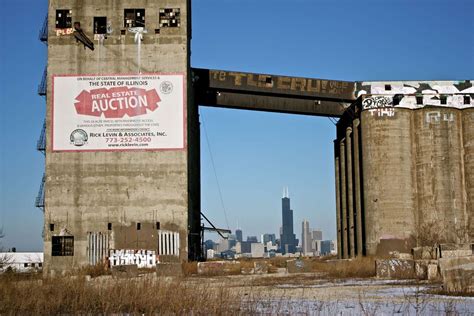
(33,265)
(419,99)
(109,226)
(132,18)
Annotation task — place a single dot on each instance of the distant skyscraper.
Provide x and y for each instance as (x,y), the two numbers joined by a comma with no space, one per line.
(317,235)
(269,237)
(252,239)
(238,235)
(306,240)
(288,241)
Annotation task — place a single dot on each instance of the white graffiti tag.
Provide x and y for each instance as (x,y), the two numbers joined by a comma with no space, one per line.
(436,117)
(388,112)
(142,258)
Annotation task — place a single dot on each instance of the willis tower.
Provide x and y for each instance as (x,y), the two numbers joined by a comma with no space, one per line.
(288,241)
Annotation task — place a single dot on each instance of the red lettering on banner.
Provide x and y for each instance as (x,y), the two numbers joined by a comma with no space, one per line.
(116,102)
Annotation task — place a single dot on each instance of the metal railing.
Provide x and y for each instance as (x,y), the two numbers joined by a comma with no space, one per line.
(43,34)
(39,201)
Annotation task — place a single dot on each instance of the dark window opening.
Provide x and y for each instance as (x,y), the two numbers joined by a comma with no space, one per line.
(467,99)
(170,17)
(396,99)
(139,226)
(157,225)
(100,25)
(134,18)
(444,99)
(40,264)
(63,19)
(51,227)
(62,246)
(25,265)
(109,226)
(122,32)
(268,80)
(157,31)
(419,100)
(388,87)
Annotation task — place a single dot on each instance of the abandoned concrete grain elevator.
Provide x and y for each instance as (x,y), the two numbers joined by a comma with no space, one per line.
(121,142)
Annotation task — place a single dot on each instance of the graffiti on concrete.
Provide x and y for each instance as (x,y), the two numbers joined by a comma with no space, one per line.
(61,32)
(382,112)
(415,95)
(436,117)
(376,102)
(140,258)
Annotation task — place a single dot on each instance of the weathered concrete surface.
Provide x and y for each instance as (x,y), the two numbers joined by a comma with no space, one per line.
(169,269)
(456,250)
(457,274)
(426,269)
(395,268)
(389,183)
(425,253)
(298,266)
(86,191)
(219,267)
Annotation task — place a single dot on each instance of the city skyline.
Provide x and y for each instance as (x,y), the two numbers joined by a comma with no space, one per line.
(241,234)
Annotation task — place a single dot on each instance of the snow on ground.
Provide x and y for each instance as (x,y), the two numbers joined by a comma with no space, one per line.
(357,297)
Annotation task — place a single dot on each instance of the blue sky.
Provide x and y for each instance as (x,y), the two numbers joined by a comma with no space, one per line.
(255,153)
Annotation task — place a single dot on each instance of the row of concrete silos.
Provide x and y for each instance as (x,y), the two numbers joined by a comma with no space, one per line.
(404,177)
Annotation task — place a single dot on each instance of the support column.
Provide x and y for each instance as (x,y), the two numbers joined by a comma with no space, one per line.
(358,196)
(338,198)
(342,160)
(350,192)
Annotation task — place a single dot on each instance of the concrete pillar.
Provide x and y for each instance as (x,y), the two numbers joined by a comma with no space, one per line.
(350,192)
(338,199)
(358,196)
(468,137)
(342,161)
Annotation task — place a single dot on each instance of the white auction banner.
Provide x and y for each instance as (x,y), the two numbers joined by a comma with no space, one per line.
(118,112)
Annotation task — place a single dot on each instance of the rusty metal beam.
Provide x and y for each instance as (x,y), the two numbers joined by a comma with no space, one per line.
(272,93)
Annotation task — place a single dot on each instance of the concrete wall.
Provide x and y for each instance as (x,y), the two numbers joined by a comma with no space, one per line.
(85,191)
(416,169)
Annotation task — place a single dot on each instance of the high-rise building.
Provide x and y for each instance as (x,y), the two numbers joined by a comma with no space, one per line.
(238,234)
(269,238)
(306,238)
(252,239)
(317,235)
(288,241)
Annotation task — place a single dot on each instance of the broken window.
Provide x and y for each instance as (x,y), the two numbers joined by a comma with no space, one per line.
(443,99)
(62,246)
(419,99)
(63,19)
(170,17)
(100,25)
(134,18)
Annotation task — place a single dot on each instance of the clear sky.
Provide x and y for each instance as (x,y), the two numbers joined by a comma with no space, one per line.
(256,154)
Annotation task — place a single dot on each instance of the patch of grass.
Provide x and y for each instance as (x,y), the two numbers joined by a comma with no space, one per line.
(131,296)
(363,267)
(190,268)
